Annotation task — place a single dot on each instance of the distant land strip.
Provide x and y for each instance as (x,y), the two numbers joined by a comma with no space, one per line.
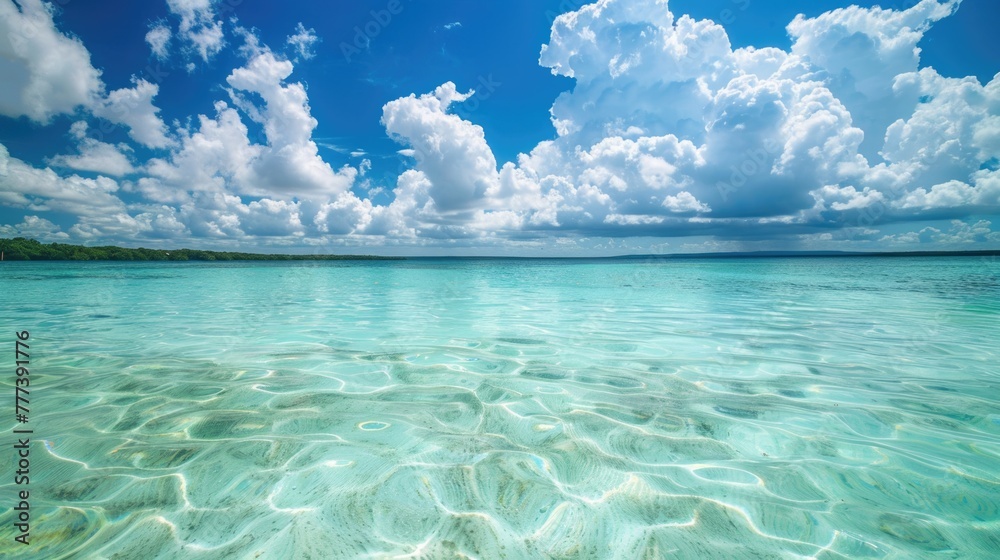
(648,258)
(21,249)
(780,254)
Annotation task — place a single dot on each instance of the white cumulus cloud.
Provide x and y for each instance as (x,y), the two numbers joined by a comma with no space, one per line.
(133,107)
(45,72)
(303,41)
(158,39)
(98,157)
(667,130)
(198,26)
(451,153)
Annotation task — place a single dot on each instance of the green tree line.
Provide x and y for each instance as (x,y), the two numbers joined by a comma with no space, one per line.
(21,249)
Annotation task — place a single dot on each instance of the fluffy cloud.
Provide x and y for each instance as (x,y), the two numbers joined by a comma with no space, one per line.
(954,194)
(213,158)
(859,51)
(303,41)
(201,183)
(216,166)
(226,216)
(960,233)
(133,107)
(36,228)
(627,57)
(667,131)
(220,157)
(666,118)
(450,152)
(45,72)
(949,134)
(684,202)
(95,156)
(158,39)
(198,26)
(290,164)
(43,190)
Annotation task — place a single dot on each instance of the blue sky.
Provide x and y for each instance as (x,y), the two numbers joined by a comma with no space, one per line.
(418,127)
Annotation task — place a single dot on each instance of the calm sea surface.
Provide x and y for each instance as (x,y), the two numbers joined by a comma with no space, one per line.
(751,408)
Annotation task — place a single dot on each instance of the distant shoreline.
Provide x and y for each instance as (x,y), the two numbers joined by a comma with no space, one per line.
(21,249)
(748,255)
(817,254)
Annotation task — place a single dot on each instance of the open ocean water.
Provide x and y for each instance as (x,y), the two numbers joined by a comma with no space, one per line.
(748,408)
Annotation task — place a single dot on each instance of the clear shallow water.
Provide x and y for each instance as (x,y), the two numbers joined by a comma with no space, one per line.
(763,408)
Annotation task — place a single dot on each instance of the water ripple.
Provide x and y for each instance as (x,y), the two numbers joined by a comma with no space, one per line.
(758,409)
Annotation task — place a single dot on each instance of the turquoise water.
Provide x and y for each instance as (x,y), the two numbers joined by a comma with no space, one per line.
(753,408)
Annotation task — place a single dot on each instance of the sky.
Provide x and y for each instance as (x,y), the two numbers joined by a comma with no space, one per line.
(532,128)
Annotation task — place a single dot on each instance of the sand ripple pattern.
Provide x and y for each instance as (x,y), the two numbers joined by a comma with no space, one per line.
(504,409)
